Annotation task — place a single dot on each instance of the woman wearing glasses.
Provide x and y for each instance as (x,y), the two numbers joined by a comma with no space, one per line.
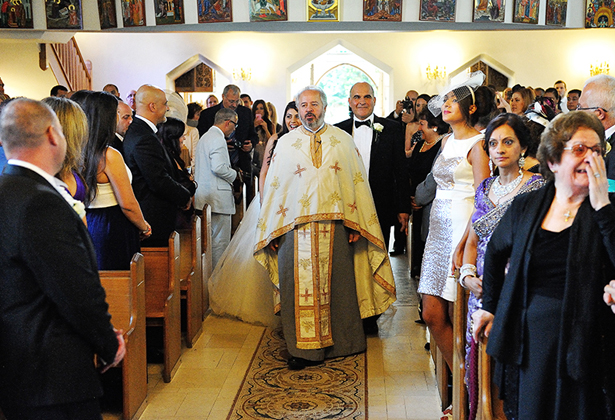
(550,333)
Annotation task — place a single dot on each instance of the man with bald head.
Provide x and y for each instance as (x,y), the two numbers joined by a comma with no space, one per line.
(155,181)
(53,312)
(598,97)
(124,119)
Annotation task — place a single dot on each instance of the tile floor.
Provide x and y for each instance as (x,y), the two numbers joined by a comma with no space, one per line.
(401,383)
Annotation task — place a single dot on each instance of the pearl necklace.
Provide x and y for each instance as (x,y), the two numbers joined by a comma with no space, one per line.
(500,190)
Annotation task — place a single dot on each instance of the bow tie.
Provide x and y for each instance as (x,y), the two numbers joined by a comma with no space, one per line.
(358,124)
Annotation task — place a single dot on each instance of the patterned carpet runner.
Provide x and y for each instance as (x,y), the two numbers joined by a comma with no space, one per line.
(336,389)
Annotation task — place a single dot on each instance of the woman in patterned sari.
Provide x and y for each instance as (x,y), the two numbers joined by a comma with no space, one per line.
(506,141)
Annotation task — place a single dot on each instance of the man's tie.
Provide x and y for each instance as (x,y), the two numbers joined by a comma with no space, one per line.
(358,123)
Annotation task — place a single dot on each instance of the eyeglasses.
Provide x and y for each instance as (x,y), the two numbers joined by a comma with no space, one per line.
(590,108)
(580,149)
(236,125)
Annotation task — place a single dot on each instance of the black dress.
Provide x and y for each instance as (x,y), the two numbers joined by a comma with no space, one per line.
(546,283)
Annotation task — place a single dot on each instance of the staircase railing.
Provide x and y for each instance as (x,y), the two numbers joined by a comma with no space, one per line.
(72,65)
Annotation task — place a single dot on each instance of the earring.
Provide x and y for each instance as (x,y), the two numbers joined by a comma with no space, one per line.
(521,162)
(491,166)
(435,129)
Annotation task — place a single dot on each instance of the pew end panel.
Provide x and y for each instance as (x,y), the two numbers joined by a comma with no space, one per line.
(126,298)
(162,299)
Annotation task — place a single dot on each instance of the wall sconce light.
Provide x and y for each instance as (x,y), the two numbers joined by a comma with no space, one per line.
(435,73)
(599,68)
(243,74)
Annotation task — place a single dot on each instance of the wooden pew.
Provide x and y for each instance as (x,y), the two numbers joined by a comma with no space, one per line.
(490,407)
(442,372)
(191,280)
(460,394)
(162,299)
(126,298)
(206,263)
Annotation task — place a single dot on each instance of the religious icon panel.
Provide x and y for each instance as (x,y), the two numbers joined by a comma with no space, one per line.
(133,12)
(438,10)
(382,10)
(599,14)
(63,14)
(489,10)
(106,13)
(16,14)
(215,11)
(268,10)
(526,11)
(323,10)
(169,12)
(556,12)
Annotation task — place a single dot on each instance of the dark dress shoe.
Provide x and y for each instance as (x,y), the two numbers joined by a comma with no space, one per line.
(298,363)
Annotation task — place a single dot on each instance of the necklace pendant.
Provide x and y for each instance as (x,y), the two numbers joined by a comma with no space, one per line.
(567,215)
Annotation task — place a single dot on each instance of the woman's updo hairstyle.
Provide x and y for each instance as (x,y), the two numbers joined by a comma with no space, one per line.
(484,99)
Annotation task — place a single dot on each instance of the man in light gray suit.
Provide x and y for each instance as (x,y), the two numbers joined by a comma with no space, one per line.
(214,176)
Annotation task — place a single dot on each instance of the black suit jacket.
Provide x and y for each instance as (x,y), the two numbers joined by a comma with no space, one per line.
(388,177)
(53,314)
(609,160)
(117,144)
(245,131)
(159,194)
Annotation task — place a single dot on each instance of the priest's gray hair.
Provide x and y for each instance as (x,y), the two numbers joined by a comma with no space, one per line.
(323,95)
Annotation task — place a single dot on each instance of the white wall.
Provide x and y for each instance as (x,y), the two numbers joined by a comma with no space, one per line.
(537,58)
(20,72)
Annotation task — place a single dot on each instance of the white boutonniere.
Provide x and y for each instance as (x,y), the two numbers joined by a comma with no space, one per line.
(79,208)
(378,127)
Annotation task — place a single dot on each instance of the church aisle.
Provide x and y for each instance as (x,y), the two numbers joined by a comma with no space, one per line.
(401,383)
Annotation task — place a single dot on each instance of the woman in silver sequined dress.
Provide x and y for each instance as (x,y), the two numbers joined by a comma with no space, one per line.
(461,165)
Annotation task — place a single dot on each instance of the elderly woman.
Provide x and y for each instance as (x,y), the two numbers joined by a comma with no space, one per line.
(550,333)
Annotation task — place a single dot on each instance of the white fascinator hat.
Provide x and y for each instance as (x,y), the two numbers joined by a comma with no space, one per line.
(461,90)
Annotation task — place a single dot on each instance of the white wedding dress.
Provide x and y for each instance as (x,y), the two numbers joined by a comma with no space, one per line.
(239,286)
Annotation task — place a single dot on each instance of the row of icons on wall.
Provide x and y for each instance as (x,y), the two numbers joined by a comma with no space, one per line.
(67,14)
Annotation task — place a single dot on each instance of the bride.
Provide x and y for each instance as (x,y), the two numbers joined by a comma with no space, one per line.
(239,286)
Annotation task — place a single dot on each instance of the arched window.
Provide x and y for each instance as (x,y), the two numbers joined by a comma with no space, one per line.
(335,68)
(337,83)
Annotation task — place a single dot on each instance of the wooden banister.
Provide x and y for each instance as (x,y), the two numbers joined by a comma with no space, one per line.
(72,65)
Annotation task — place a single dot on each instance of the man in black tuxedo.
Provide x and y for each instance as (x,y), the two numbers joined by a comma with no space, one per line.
(124,119)
(242,140)
(53,314)
(380,142)
(598,97)
(159,194)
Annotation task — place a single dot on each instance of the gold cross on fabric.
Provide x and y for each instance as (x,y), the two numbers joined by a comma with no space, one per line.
(282,211)
(336,167)
(353,207)
(299,170)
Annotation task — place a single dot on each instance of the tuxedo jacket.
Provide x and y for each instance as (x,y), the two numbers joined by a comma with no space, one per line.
(388,176)
(53,314)
(156,188)
(245,131)
(117,144)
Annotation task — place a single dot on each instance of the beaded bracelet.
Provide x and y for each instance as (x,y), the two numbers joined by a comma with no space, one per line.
(467,270)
